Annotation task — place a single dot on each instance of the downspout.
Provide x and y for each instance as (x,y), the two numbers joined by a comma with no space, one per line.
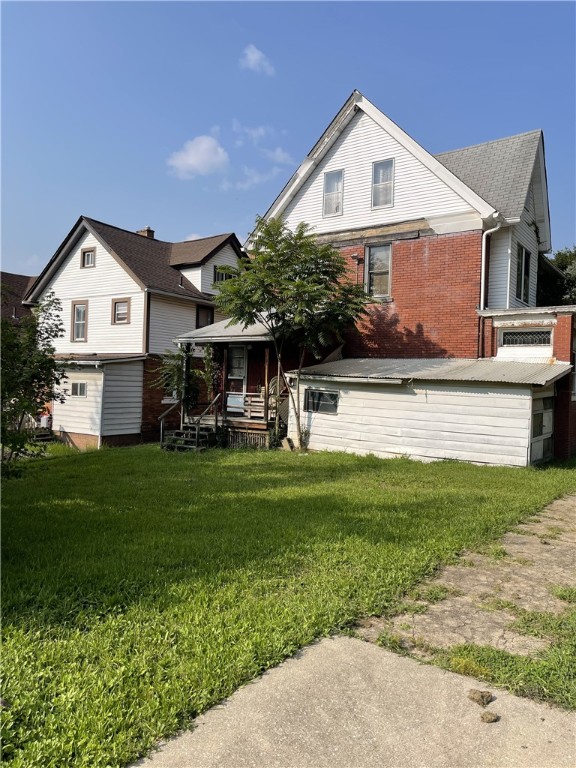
(103,369)
(480,345)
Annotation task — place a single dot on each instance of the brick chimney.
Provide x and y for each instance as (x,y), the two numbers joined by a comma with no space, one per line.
(146,232)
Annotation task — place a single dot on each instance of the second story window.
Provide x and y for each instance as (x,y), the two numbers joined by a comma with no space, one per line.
(120,311)
(333,189)
(219,277)
(383,184)
(79,320)
(523,275)
(88,258)
(378,263)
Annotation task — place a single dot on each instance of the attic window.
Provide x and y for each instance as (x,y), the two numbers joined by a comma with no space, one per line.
(88,258)
(526,338)
(383,184)
(333,189)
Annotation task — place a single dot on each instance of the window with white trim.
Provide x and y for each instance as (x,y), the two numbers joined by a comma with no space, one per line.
(383,184)
(378,262)
(320,401)
(78,389)
(79,321)
(523,274)
(333,193)
(88,258)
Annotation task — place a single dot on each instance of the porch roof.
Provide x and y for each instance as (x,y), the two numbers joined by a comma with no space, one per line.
(401,370)
(225,331)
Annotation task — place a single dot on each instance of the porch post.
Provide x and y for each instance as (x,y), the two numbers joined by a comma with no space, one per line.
(266,364)
(224,378)
(185,384)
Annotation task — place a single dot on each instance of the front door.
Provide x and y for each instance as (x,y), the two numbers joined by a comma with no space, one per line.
(236,381)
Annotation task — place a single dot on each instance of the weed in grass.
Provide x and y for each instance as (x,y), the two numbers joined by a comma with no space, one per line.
(406,627)
(497,604)
(392,642)
(568,594)
(468,667)
(411,608)
(552,532)
(494,551)
(434,593)
(134,600)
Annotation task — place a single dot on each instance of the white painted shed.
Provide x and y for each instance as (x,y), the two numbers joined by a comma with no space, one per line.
(482,411)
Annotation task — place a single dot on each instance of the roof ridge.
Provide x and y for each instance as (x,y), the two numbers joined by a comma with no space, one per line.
(198,239)
(127,231)
(492,141)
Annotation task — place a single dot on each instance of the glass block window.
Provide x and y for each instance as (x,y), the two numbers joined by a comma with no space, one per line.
(526,338)
(318,401)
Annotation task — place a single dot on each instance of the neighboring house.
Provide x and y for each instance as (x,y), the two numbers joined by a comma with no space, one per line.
(125,296)
(447,247)
(13,289)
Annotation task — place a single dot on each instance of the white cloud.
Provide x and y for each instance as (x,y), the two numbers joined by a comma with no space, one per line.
(254,134)
(200,156)
(194,236)
(254,59)
(253,178)
(278,155)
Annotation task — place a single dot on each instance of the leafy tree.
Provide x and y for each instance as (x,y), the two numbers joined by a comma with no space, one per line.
(297,289)
(565,260)
(30,373)
(176,377)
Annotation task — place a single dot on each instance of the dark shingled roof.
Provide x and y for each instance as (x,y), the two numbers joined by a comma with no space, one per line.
(153,262)
(14,288)
(499,171)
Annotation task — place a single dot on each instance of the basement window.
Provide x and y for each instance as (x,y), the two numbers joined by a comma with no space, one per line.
(78,389)
(320,401)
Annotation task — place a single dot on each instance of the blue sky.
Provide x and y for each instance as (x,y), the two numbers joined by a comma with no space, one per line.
(190,117)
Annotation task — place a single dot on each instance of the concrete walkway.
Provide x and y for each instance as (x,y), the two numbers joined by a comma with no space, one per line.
(345,703)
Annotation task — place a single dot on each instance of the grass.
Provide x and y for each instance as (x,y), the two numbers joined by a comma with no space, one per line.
(140,588)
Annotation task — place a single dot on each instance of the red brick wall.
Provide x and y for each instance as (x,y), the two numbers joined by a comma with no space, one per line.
(435,286)
(565,407)
(152,405)
(78,440)
(563,338)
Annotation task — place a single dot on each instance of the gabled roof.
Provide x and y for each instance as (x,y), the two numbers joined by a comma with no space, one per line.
(148,261)
(483,370)
(14,288)
(499,171)
(494,176)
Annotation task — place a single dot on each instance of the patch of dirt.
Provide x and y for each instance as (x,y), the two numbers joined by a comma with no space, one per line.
(484,592)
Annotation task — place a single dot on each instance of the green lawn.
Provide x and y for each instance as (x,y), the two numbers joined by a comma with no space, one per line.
(141,587)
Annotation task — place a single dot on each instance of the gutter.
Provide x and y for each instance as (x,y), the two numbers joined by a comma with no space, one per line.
(350,379)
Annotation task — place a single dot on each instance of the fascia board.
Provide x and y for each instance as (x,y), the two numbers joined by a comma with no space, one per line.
(546,241)
(433,165)
(55,262)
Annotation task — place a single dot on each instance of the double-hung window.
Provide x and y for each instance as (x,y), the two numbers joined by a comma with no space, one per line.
(378,263)
(120,311)
(523,275)
(333,193)
(383,184)
(79,321)
(78,389)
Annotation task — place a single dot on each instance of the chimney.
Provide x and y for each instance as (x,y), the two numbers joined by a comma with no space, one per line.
(146,232)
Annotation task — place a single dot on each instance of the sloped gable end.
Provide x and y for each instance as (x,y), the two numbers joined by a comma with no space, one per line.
(359,137)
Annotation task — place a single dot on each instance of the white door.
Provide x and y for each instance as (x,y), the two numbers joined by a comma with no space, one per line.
(236,382)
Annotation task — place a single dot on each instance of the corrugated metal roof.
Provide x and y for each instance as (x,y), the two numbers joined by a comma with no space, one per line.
(225,331)
(495,371)
(499,171)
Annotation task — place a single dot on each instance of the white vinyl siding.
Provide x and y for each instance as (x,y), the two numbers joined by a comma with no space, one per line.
(98,285)
(418,193)
(79,414)
(122,406)
(469,422)
(498,269)
(169,318)
(525,235)
(202,277)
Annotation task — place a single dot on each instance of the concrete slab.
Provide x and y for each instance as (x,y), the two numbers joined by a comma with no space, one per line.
(345,703)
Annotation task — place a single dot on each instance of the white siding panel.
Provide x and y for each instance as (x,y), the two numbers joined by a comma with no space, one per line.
(122,407)
(169,318)
(418,193)
(99,285)
(226,257)
(525,234)
(80,414)
(499,268)
(194,274)
(480,423)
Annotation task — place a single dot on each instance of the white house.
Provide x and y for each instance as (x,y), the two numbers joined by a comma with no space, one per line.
(125,296)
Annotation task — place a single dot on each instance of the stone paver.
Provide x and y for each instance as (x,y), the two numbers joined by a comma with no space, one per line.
(540,554)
